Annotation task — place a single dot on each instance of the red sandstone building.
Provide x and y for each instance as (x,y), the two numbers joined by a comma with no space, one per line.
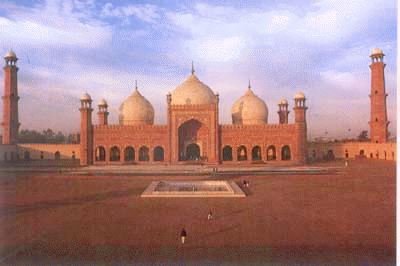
(193,133)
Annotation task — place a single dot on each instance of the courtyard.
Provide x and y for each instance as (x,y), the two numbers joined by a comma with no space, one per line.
(341,217)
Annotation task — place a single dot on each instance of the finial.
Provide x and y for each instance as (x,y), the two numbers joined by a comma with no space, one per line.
(249,85)
(192,68)
(136,85)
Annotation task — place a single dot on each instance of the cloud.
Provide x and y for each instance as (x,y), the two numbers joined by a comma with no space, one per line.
(54,23)
(146,13)
(225,49)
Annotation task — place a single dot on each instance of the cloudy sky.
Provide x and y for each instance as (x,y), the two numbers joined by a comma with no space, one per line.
(69,47)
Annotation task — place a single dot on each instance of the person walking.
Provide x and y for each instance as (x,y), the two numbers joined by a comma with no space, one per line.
(183,236)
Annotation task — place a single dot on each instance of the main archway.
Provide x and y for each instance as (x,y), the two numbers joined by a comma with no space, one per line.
(188,140)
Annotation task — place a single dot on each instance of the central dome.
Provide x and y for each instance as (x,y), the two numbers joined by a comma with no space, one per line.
(136,110)
(193,91)
(249,110)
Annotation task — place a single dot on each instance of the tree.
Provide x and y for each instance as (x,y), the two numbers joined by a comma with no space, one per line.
(363,135)
(48,136)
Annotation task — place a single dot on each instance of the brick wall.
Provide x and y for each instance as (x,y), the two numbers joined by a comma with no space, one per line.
(48,151)
(351,150)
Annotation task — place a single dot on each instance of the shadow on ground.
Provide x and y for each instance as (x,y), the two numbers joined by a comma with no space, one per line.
(43,205)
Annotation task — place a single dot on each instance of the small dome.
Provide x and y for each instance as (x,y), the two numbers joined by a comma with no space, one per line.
(10,55)
(376,51)
(136,110)
(283,102)
(86,97)
(300,96)
(249,110)
(193,91)
(102,102)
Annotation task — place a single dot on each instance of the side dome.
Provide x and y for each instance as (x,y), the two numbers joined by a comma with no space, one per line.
(136,110)
(249,110)
(193,91)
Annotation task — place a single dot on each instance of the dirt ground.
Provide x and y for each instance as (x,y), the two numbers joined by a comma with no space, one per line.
(347,218)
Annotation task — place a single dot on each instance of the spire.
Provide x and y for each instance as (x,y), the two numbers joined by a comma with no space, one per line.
(249,85)
(136,85)
(192,68)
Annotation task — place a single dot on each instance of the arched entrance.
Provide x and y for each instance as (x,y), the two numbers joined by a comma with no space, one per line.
(27,156)
(192,152)
(188,139)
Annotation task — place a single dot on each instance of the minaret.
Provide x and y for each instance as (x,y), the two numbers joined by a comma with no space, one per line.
(300,128)
(103,114)
(378,124)
(86,133)
(283,112)
(10,100)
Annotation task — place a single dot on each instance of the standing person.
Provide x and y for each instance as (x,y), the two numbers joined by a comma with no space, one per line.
(210,215)
(346,163)
(183,235)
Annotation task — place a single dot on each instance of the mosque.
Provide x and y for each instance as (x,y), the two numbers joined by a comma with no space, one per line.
(193,134)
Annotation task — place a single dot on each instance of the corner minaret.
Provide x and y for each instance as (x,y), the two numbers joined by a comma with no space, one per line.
(86,131)
(283,112)
(378,124)
(10,100)
(300,128)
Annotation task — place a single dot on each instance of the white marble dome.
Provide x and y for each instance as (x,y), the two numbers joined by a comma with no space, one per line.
(193,91)
(86,97)
(376,51)
(10,54)
(136,110)
(102,102)
(283,102)
(299,96)
(249,110)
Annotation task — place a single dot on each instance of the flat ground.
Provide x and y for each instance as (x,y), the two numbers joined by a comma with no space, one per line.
(347,218)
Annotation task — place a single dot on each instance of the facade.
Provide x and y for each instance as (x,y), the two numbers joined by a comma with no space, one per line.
(193,133)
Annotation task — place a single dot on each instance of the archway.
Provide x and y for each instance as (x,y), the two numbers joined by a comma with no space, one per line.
(27,155)
(100,154)
(188,135)
(129,154)
(227,153)
(144,153)
(285,153)
(114,154)
(256,153)
(158,153)
(271,153)
(330,156)
(57,155)
(242,153)
(192,152)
